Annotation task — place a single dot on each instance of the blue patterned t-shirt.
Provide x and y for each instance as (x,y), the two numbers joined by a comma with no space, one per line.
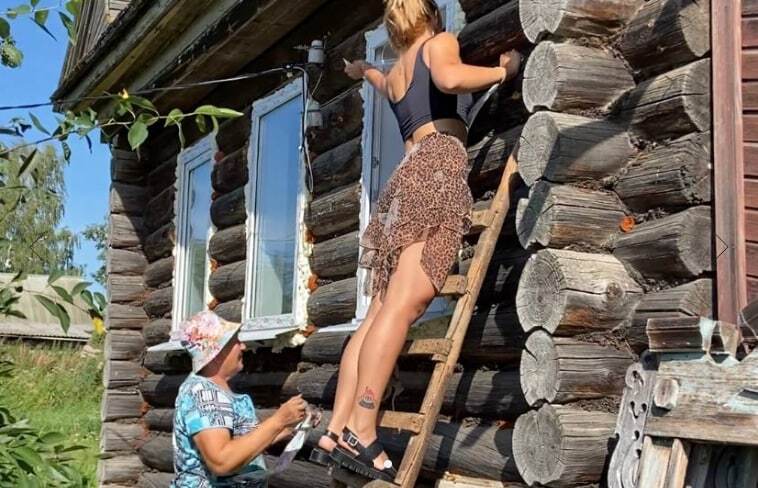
(202,404)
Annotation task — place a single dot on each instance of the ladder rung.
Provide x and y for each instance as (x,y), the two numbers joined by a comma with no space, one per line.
(428,347)
(410,422)
(480,220)
(455,285)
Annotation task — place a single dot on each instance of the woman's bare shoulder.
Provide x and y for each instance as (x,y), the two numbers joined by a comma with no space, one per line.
(444,44)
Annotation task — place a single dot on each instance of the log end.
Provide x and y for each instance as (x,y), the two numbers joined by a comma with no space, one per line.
(540,301)
(539,369)
(540,87)
(537,440)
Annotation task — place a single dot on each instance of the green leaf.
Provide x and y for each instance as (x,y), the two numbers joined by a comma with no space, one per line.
(101,301)
(137,134)
(66,296)
(69,24)
(40,17)
(20,276)
(27,161)
(66,151)
(53,438)
(79,288)
(87,297)
(143,103)
(23,9)
(64,317)
(15,313)
(10,55)
(5,28)
(200,121)
(54,276)
(49,305)
(38,124)
(28,456)
(34,3)
(174,117)
(74,7)
(89,142)
(222,113)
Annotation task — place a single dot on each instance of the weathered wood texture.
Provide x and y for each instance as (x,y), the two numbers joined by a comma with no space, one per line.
(158,453)
(561,77)
(124,231)
(116,437)
(571,449)
(565,148)
(665,34)
(167,362)
(120,404)
(693,299)
(118,374)
(162,176)
(159,419)
(228,245)
(502,276)
(119,316)
(127,199)
(231,172)
(477,8)
(677,246)
(121,469)
(343,120)
(157,332)
(567,292)
(562,370)
(335,212)
(671,104)
(228,282)
(699,336)
(229,209)
(234,133)
(159,302)
(160,243)
(574,18)
(673,175)
(124,262)
(484,39)
(231,310)
(562,215)
(336,257)
(155,480)
(159,272)
(488,156)
(124,344)
(333,303)
(125,289)
(337,167)
(127,167)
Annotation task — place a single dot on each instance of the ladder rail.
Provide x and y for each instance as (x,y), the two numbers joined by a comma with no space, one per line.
(432,403)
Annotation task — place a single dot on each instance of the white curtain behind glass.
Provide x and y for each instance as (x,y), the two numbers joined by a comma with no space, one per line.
(199,204)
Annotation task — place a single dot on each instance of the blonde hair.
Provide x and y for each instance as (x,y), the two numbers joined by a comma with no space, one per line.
(407,19)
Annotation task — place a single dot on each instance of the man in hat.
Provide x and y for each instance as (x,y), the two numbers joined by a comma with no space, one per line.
(218,440)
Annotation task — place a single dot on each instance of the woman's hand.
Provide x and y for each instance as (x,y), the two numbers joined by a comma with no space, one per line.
(356,69)
(511,61)
(292,411)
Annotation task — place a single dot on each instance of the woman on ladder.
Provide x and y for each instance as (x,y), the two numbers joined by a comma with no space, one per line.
(415,231)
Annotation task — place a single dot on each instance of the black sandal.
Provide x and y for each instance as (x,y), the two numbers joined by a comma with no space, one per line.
(322,456)
(363,462)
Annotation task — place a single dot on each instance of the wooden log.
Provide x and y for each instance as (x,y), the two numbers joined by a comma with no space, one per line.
(503,274)
(125,289)
(160,209)
(158,453)
(566,148)
(167,362)
(228,245)
(159,272)
(569,292)
(670,176)
(296,474)
(229,209)
(157,332)
(234,133)
(334,81)
(231,172)
(160,243)
(693,299)
(127,199)
(163,176)
(120,404)
(124,345)
(119,316)
(121,469)
(677,246)
(672,104)
(124,231)
(125,262)
(228,282)
(127,167)
(118,374)
(336,257)
(343,120)
(325,347)
(159,419)
(697,335)
(333,303)
(231,311)
(713,402)
(561,215)
(574,18)
(562,77)
(155,480)
(476,8)
(337,167)
(335,212)
(159,302)
(483,40)
(487,157)
(562,370)
(665,34)
(117,437)
(571,448)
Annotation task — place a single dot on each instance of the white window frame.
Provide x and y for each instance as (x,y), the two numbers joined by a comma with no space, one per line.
(199,153)
(454,22)
(262,328)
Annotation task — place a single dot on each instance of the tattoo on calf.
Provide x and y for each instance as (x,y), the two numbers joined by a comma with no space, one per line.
(367,400)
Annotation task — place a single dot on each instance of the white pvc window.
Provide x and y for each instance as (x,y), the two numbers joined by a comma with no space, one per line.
(383,147)
(194,229)
(276,278)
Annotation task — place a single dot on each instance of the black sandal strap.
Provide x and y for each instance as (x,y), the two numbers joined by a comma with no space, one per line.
(331,435)
(367,454)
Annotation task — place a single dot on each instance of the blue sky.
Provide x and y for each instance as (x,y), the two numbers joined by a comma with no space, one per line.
(88,175)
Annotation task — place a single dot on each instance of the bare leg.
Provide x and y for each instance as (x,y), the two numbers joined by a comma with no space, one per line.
(348,376)
(408,294)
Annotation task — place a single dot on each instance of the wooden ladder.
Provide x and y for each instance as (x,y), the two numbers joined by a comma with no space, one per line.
(444,351)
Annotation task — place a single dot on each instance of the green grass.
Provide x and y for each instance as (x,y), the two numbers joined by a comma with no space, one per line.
(57,390)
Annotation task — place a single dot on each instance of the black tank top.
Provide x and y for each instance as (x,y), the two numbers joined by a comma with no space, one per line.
(423,102)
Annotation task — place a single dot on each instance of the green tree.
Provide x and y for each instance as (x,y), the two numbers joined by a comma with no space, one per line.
(98,235)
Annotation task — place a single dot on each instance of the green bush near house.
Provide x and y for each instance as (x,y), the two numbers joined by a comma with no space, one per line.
(57,390)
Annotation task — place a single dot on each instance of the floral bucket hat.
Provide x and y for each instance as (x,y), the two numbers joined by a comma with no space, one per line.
(204,335)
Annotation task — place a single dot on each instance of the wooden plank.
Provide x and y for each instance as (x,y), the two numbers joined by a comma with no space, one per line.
(700,461)
(749,7)
(752,259)
(750,64)
(409,422)
(750,124)
(727,153)
(752,288)
(480,220)
(749,32)
(751,228)
(750,155)
(653,463)
(677,468)
(750,95)
(427,347)
(455,285)
(751,193)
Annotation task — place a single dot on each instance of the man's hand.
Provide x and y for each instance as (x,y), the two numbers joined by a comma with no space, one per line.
(292,411)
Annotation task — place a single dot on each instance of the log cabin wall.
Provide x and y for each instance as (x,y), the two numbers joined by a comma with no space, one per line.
(750,125)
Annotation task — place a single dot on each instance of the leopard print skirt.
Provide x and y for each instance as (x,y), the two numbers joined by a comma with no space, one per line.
(427,199)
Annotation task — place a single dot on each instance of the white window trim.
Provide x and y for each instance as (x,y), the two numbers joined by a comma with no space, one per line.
(187,160)
(261,328)
(454,22)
